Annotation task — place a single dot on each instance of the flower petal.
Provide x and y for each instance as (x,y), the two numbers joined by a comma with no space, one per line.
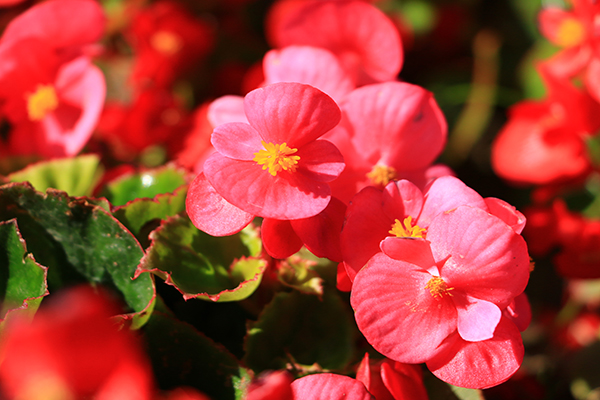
(328,386)
(236,140)
(320,161)
(485,257)
(396,124)
(396,313)
(291,113)
(365,227)
(279,239)
(321,233)
(479,365)
(506,213)
(227,109)
(447,193)
(314,66)
(246,185)
(477,319)
(211,213)
(402,199)
(415,251)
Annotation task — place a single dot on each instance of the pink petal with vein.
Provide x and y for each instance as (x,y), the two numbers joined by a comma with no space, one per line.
(211,213)
(447,193)
(236,140)
(227,109)
(247,186)
(306,64)
(487,258)
(329,387)
(320,161)
(396,313)
(291,113)
(480,365)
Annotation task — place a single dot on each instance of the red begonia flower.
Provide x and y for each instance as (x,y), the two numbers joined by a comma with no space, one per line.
(363,38)
(409,299)
(167,41)
(275,166)
(390,380)
(400,210)
(73,350)
(52,22)
(387,130)
(155,117)
(543,142)
(53,107)
(329,387)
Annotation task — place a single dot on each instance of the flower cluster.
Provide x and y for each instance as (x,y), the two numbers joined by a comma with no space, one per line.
(434,268)
(195,206)
(552,142)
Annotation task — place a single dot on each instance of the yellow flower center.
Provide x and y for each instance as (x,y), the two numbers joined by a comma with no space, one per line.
(45,387)
(438,288)
(570,33)
(41,102)
(381,175)
(406,229)
(166,42)
(276,157)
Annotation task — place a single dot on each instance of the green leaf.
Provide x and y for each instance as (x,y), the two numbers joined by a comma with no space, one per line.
(467,394)
(77,176)
(79,241)
(241,383)
(145,184)
(203,266)
(299,273)
(182,356)
(301,329)
(22,279)
(141,216)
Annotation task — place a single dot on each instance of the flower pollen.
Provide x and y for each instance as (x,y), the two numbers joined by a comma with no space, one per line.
(381,175)
(570,33)
(276,157)
(41,102)
(406,229)
(438,288)
(166,42)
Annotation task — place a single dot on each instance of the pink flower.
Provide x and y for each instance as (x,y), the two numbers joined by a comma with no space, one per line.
(440,300)
(50,92)
(401,209)
(275,166)
(388,131)
(365,41)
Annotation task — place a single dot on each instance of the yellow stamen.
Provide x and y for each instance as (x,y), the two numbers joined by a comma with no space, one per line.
(41,102)
(166,42)
(405,229)
(381,175)
(276,157)
(570,33)
(438,288)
